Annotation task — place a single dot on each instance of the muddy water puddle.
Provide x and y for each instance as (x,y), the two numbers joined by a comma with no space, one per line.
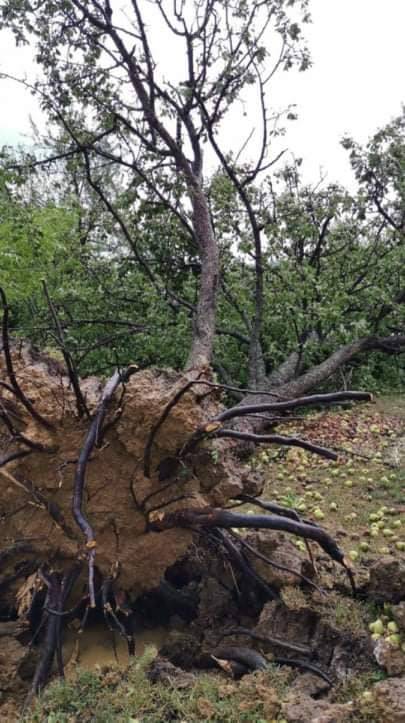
(99,646)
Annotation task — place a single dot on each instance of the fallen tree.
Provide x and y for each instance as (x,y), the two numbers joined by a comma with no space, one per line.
(126,477)
(95,511)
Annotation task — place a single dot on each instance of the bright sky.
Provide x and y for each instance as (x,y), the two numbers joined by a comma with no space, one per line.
(356,83)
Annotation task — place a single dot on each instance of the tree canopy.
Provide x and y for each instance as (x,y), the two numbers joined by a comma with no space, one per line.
(156,239)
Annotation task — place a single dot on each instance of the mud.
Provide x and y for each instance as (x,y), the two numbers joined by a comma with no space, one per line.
(100,647)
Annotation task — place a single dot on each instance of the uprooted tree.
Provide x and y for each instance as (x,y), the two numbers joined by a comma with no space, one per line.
(107,485)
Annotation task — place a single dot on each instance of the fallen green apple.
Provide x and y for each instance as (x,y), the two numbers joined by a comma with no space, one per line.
(377,626)
(394,640)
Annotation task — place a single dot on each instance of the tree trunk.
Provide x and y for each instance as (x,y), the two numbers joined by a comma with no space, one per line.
(319,373)
(284,385)
(204,320)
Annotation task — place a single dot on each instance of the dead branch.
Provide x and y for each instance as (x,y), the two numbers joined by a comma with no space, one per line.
(284,512)
(250,659)
(242,562)
(59,589)
(247,657)
(19,436)
(39,499)
(304,665)
(16,548)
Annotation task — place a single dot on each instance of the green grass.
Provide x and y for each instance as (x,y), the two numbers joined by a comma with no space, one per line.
(117,696)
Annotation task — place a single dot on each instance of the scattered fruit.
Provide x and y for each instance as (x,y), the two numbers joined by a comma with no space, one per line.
(394,640)
(377,626)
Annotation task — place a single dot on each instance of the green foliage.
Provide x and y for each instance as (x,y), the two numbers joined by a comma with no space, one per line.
(332,264)
(114,312)
(33,238)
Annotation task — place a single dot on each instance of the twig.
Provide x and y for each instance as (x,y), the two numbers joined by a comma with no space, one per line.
(244,564)
(41,501)
(351,453)
(284,512)
(19,436)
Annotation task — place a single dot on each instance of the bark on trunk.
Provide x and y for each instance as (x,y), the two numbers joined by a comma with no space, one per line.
(285,372)
(286,387)
(204,320)
(319,373)
(257,370)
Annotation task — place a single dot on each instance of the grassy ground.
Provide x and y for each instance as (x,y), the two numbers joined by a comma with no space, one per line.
(360,499)
(114,696)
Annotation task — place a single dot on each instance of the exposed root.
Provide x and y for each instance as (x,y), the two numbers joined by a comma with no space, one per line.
(93,436)
(210,517)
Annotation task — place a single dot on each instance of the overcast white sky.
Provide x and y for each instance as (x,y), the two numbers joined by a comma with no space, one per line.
(356,83)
